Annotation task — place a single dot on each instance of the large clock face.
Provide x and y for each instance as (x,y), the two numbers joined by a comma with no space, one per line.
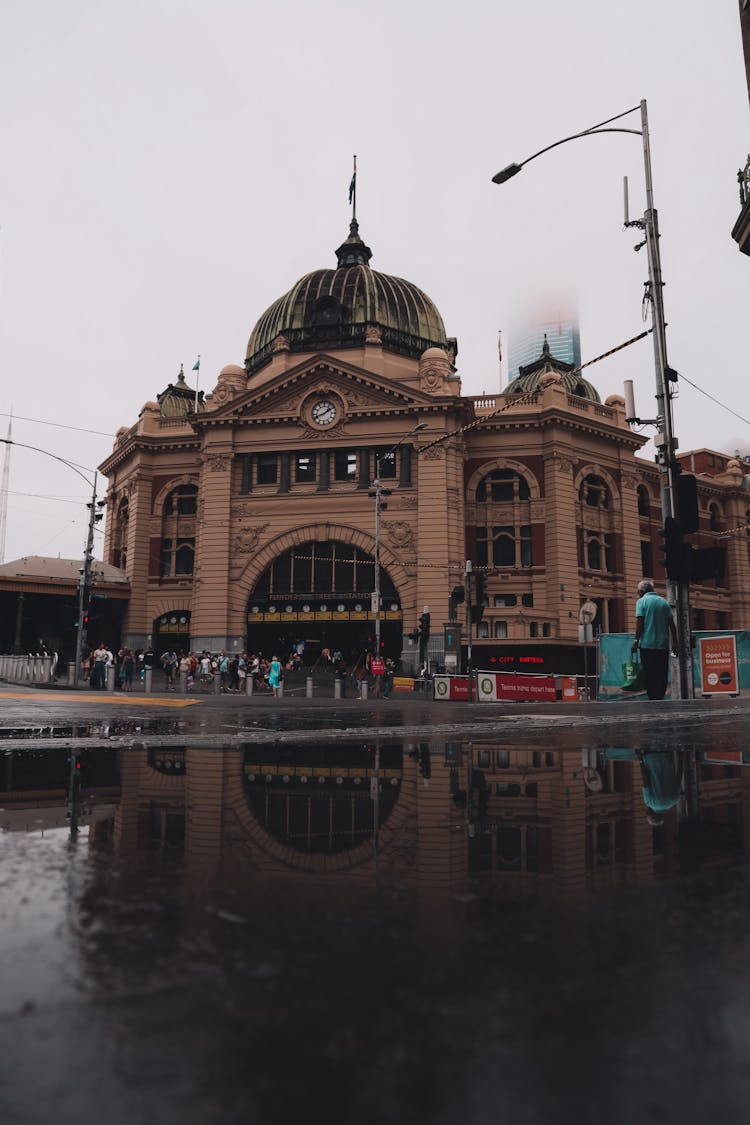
(324,412)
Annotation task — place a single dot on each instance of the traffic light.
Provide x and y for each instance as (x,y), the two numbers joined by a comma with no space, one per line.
(707,564)
(458,594)
(477,609)
(687,503)
(674,551)
(425,762)
(424,624)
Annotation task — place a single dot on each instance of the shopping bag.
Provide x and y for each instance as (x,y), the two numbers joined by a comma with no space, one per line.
(633,678)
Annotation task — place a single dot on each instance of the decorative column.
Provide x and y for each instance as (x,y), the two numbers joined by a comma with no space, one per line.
(216,623)
(561,545)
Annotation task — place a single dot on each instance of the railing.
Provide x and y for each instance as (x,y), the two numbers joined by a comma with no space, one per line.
(29,668)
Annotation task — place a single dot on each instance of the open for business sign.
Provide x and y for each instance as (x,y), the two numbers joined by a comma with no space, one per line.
(718,663)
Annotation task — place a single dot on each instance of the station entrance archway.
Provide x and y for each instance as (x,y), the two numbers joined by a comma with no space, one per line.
(320,592)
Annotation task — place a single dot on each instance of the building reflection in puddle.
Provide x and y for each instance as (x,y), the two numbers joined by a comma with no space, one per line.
(457,824)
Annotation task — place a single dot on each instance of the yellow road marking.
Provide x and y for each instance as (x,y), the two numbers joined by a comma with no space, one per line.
(134,700)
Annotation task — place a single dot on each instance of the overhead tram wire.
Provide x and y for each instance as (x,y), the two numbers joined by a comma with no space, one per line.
(57,425)
(507,405)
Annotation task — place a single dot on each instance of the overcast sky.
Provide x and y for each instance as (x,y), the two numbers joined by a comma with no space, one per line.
(172,166)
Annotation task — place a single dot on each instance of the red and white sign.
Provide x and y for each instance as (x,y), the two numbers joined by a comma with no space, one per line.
(450,687)
(718,663)
(519,688)
(377,666)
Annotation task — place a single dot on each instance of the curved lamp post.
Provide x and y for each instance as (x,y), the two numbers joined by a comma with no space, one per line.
(85,570)
(665,440)
(377,493)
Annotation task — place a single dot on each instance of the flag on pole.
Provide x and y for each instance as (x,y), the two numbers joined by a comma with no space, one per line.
(197,364)
(353,182)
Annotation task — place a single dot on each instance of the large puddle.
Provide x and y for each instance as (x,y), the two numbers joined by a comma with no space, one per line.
(416,931)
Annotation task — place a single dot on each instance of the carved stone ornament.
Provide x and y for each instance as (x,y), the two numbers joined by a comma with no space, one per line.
(434,453)
(630,480)
(373,335)
(400,534)
(562,464)
(280,344)
(217,462)
(247,538)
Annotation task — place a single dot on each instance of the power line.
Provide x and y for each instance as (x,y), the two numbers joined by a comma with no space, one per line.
(57,425)
(721,404)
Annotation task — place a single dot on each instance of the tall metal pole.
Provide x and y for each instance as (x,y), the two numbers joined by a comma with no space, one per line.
(468,624)
(84,585)
(377,493)
(376,594)
(665,441)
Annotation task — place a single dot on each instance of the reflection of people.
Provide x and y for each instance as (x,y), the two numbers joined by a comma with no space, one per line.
(654,628)
(660,777)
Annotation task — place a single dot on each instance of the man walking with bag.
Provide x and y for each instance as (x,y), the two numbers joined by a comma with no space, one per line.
(654,630)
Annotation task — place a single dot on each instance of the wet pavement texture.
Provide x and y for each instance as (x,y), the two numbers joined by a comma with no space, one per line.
(547,920)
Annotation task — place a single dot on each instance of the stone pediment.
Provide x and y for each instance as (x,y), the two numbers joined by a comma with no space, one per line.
(285,398)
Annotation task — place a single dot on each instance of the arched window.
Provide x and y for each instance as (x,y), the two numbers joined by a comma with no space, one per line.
(502,486)
(177,554)
(714,517)
(594,492)
(120,539)
(182,501)
(644,501)
(501,630)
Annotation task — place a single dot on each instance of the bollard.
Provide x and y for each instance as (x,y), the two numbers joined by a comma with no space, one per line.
(336,688)
(71,673)
(183,682)
(280,689)
(249,684)
(217,683)
(363,689)
(309,687)
(111,677)
(148,680)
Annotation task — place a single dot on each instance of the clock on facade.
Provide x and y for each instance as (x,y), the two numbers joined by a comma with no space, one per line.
(324,412)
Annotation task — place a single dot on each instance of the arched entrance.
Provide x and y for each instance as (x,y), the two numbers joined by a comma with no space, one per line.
(171,632)
(320,592)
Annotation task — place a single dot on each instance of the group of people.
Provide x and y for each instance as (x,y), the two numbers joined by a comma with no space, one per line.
(232,670)
(95,665)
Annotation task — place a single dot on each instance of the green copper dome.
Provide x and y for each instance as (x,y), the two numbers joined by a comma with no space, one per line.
(528,378)
(345,307)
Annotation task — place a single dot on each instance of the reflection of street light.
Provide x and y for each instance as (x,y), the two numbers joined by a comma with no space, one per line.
(85,570)
(378,493)
(665,441)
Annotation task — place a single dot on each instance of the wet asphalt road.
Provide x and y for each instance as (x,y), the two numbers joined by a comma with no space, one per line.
(138,989)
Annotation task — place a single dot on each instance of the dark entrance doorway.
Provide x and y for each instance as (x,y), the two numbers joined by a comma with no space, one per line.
(171,632)
(320,593)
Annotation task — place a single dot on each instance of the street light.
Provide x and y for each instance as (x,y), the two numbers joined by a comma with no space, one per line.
(665,440)
(85,570)
(377,494)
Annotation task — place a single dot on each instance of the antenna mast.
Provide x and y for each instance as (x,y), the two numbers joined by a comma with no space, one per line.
(4,491)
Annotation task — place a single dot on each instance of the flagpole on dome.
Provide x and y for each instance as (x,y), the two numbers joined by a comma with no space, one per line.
(197,370)
(353,191)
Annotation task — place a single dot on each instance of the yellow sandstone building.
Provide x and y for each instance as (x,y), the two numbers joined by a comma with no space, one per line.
(245,519)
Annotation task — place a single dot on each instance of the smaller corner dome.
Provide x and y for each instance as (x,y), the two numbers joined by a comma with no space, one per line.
(232,369)
(435,353)
(179,400)
(530,377)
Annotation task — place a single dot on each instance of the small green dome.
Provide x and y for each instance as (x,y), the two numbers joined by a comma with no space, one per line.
(345,307)
(529,377)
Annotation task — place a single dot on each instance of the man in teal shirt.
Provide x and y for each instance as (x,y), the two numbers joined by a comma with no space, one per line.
(654,629)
